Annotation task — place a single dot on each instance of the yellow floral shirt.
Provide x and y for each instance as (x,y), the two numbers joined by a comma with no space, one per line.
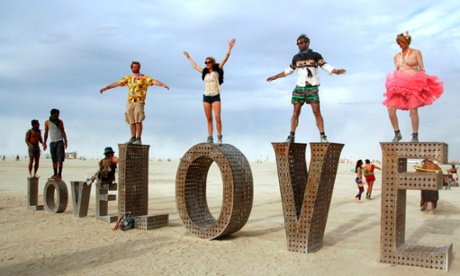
(137,87)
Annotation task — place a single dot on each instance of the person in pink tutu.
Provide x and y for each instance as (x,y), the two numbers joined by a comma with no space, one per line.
(408,87)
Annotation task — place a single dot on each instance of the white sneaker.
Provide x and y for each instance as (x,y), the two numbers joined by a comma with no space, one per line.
(219,140)
(324,139)
(290,139)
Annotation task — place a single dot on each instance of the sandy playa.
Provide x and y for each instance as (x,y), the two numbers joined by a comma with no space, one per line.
(41,243)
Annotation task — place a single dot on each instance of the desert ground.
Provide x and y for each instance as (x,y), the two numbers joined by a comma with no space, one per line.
(42,243)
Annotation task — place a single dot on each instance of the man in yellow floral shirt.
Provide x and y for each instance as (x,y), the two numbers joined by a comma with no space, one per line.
(137,91)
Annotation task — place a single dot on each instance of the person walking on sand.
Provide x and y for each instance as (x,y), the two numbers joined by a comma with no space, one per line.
(369,176)
(359,180)
(212,76)
(450,173)
(137,92)
(408,87)
(307,84)
(55,128)
(429,195)
(33,139)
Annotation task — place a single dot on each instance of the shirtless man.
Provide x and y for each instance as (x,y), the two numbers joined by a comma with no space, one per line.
(33,138)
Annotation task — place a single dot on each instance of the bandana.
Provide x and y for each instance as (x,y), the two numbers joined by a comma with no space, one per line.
(302,53)
(55,120)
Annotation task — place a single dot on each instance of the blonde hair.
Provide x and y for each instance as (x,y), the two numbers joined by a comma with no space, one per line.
(212,59)
(403,37)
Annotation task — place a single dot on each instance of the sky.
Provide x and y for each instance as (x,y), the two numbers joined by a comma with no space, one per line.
(59,54)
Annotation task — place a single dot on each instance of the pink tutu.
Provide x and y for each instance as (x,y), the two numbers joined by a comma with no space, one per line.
(407,91)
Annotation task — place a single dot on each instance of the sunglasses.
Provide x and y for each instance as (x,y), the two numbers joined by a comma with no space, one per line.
(207,62)
(300,43)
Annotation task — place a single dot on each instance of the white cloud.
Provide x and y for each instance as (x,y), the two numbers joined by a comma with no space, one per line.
(61,54)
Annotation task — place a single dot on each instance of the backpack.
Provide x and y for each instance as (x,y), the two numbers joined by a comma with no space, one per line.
(216,68)
(125,222)
(107,170)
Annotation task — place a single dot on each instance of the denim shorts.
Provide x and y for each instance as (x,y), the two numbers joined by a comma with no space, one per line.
(211,99)
(57,151)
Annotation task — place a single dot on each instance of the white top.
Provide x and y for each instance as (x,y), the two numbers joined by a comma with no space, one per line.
(302,74)
(211,84)
(55,132)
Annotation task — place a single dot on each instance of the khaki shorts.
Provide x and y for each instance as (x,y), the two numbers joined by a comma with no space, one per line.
(134,112)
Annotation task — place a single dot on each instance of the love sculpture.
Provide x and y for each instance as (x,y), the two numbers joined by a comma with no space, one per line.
(305,194)
(395,183)
(191,190)
(132,192)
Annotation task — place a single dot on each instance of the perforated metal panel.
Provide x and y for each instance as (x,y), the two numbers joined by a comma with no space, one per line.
(133,172)
(306,196)
(395,181)
(191,190)
(151,222)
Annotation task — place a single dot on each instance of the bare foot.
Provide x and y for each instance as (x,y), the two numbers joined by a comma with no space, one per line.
(357,200)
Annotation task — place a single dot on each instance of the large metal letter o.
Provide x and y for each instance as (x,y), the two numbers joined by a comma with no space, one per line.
(191,190)
(60,188)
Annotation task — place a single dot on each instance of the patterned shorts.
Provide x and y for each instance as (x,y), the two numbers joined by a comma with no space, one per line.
(308,94)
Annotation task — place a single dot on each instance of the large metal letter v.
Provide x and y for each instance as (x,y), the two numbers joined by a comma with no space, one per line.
(306,195)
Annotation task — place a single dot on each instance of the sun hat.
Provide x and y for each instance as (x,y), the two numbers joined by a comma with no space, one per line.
(108,150)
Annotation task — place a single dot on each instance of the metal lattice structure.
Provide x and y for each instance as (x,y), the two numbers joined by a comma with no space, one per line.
(55,188)
(395,181)
(133,189)
(32,194)
(306,195)
(151,222)
(191,190)
(80,198)
(133,172)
